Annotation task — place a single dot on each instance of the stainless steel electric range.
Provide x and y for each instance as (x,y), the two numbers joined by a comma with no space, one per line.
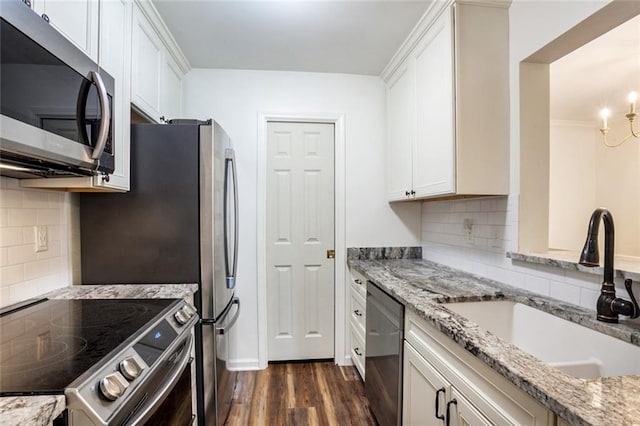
(115,360)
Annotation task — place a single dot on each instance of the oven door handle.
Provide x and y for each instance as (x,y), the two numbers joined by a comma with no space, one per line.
(166,389)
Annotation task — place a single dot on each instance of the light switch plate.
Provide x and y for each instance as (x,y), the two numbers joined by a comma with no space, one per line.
(42,238)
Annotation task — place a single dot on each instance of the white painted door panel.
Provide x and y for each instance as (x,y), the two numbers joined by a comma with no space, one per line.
(400,135)
(421,382)
(146,65)
(434,156)
(77,20)
(115,57)
(300,230)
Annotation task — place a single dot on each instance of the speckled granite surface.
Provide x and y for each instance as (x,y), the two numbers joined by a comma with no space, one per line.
(569,260)
(126,291)
(379,253)
(42,410)
(422,286)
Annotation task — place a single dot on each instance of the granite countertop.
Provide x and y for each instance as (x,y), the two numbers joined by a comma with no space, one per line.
(422,286)
(42,410)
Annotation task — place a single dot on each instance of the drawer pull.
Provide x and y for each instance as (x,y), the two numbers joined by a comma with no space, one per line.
(358,281)
(357,312)
(453,401)
(438,415)
(357,351)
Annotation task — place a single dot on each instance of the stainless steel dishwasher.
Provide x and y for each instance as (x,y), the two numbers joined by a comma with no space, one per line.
(383,363)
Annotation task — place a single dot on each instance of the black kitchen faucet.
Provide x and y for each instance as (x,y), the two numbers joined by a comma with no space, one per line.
(608,306)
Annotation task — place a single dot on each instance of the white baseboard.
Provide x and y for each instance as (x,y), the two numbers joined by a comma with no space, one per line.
(244,364)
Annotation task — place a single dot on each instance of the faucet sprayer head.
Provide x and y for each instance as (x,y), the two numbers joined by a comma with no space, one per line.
(590,255)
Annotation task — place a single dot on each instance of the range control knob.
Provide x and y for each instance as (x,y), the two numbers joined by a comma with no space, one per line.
(130,368)
(182,317)
(113,385)
(190,310)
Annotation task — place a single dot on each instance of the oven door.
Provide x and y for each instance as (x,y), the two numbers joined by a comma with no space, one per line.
(56,104)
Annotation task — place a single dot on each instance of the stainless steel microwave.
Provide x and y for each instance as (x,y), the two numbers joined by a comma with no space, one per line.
(55,104)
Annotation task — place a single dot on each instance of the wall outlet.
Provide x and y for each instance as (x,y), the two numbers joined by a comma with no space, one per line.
(42,238)
(467,226)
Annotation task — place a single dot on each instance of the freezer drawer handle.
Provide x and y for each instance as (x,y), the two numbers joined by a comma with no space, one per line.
(224,328)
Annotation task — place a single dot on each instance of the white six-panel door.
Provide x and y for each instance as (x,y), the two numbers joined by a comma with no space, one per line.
(300,231)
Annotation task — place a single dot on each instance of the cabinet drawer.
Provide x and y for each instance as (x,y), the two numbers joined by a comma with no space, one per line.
(358,283)
(357,350)
(358,312)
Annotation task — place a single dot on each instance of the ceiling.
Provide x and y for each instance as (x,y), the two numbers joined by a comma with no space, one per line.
(354,37)
(597,75)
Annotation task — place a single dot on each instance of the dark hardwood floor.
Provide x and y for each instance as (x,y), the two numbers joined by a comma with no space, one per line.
(310,393)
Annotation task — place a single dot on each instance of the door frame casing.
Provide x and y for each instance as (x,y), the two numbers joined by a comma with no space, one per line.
(340,299)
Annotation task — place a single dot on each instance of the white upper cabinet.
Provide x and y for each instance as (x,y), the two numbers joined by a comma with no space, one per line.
(399,137)
(447,105)
(147,65)
(156,85)
(171,95)
(115,58)
(77,20)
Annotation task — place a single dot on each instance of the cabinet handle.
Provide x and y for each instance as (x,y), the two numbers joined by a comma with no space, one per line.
(413,192)
(357,312)
(357,351)
(439,416)
(358,281)
(407,193)
(453,401)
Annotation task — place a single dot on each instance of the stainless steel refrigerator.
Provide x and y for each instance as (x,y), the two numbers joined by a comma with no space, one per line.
(177,224)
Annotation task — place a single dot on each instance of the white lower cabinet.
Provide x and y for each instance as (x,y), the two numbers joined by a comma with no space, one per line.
(358,320)
(444,384)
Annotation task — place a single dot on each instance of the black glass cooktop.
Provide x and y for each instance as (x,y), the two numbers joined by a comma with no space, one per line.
(44,347)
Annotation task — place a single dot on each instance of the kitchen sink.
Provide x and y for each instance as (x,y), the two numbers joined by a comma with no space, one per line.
(572,348)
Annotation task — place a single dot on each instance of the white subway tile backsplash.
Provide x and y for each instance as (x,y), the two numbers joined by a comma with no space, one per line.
(10,236)
(537,284)
(21,217)
(22,254)
(37,269)
(23,272)
(35,199)
(565,292)
(495,231)
(49,217)
(11,199)
(11,274)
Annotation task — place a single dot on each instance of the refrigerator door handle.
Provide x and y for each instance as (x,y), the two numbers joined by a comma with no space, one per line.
(231,269)
(223,328)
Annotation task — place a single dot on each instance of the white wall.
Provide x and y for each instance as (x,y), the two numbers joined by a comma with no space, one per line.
(23,272)
(533,24)
(234,98)
(572,182)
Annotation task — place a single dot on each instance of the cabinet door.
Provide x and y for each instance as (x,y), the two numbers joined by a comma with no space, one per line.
(146,66)
(399,133)
(115,58)
(77,20)
(463,413)
(171,89)
(434,149)
(422,384)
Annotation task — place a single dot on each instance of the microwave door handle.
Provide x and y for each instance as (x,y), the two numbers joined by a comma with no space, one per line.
(105,120)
